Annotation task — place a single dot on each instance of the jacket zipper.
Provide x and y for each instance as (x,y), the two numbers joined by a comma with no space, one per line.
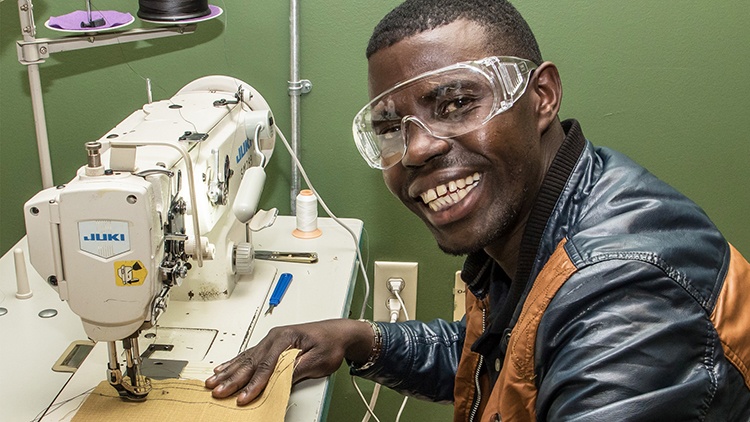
(478,396)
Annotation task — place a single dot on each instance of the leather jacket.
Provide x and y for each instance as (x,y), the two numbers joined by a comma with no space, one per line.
(628,304)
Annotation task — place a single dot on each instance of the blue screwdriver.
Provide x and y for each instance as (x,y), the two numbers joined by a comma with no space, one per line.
(278,292)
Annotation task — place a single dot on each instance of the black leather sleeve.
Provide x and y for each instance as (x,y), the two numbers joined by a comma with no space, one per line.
(419,359)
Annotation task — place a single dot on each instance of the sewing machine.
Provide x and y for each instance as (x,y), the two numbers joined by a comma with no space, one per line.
(165,207)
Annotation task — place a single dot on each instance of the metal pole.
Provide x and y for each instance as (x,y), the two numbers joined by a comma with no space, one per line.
(40,124)
(295,98)
(28,31)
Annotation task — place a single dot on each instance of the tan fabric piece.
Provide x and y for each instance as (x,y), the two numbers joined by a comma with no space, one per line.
(190,400)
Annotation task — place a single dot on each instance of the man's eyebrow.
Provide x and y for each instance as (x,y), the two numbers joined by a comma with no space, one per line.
(383,114)
(453,85)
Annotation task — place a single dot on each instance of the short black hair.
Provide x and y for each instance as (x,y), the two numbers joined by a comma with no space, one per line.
(506,29)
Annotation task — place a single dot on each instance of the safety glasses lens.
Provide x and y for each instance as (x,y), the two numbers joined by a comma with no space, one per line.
(448,103)
(445,103)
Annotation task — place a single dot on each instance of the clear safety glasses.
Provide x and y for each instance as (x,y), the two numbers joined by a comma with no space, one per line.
(445,103)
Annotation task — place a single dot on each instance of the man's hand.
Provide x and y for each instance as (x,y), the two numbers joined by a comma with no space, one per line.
(323,346)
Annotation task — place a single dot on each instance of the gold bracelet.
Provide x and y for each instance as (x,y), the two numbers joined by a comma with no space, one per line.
(377,347)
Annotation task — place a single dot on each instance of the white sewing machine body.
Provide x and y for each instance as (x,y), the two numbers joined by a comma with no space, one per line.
(130,229)
(110,249)
(116,246)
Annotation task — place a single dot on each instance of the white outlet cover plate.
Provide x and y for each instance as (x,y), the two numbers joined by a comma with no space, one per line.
(385,270)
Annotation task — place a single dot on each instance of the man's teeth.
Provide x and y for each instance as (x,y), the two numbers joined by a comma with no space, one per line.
(450,193)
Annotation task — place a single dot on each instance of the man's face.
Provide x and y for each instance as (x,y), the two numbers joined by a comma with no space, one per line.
(485,180)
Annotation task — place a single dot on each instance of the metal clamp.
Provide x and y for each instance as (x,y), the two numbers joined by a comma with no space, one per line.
(302,86)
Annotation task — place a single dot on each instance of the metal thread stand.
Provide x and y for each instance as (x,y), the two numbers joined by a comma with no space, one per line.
(33,51)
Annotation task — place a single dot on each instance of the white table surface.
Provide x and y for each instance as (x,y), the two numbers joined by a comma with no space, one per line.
(31,344)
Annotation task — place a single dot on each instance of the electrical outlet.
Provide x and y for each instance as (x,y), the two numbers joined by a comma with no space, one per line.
(385,270)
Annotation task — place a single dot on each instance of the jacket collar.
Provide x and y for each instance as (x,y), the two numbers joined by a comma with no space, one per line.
(480,271)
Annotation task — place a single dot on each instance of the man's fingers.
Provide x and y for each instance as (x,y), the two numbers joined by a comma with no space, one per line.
(243,375)
(223,366)
(232,377)
(257,383)
(249,372)
(226,364)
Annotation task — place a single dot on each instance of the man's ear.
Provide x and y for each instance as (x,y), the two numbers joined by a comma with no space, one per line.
(547,88)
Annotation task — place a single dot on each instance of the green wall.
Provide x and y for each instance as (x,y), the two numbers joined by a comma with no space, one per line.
(664,82)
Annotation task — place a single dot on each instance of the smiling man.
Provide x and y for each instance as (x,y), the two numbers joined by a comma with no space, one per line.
(596,291)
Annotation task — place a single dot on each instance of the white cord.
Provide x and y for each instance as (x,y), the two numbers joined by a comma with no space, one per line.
(401,302)
(362,396)
(395,306)
(406,316)
(376,390)
(401,410)
(373,400)
(336,219)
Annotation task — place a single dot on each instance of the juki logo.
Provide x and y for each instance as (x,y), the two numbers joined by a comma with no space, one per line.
(242,150)
(105,237)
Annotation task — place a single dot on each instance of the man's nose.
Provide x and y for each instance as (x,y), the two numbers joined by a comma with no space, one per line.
(421,145)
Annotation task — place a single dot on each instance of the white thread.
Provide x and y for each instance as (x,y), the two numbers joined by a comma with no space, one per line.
(307,215)
(307,211)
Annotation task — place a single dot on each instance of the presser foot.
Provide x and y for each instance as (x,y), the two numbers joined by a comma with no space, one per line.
(127,390)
